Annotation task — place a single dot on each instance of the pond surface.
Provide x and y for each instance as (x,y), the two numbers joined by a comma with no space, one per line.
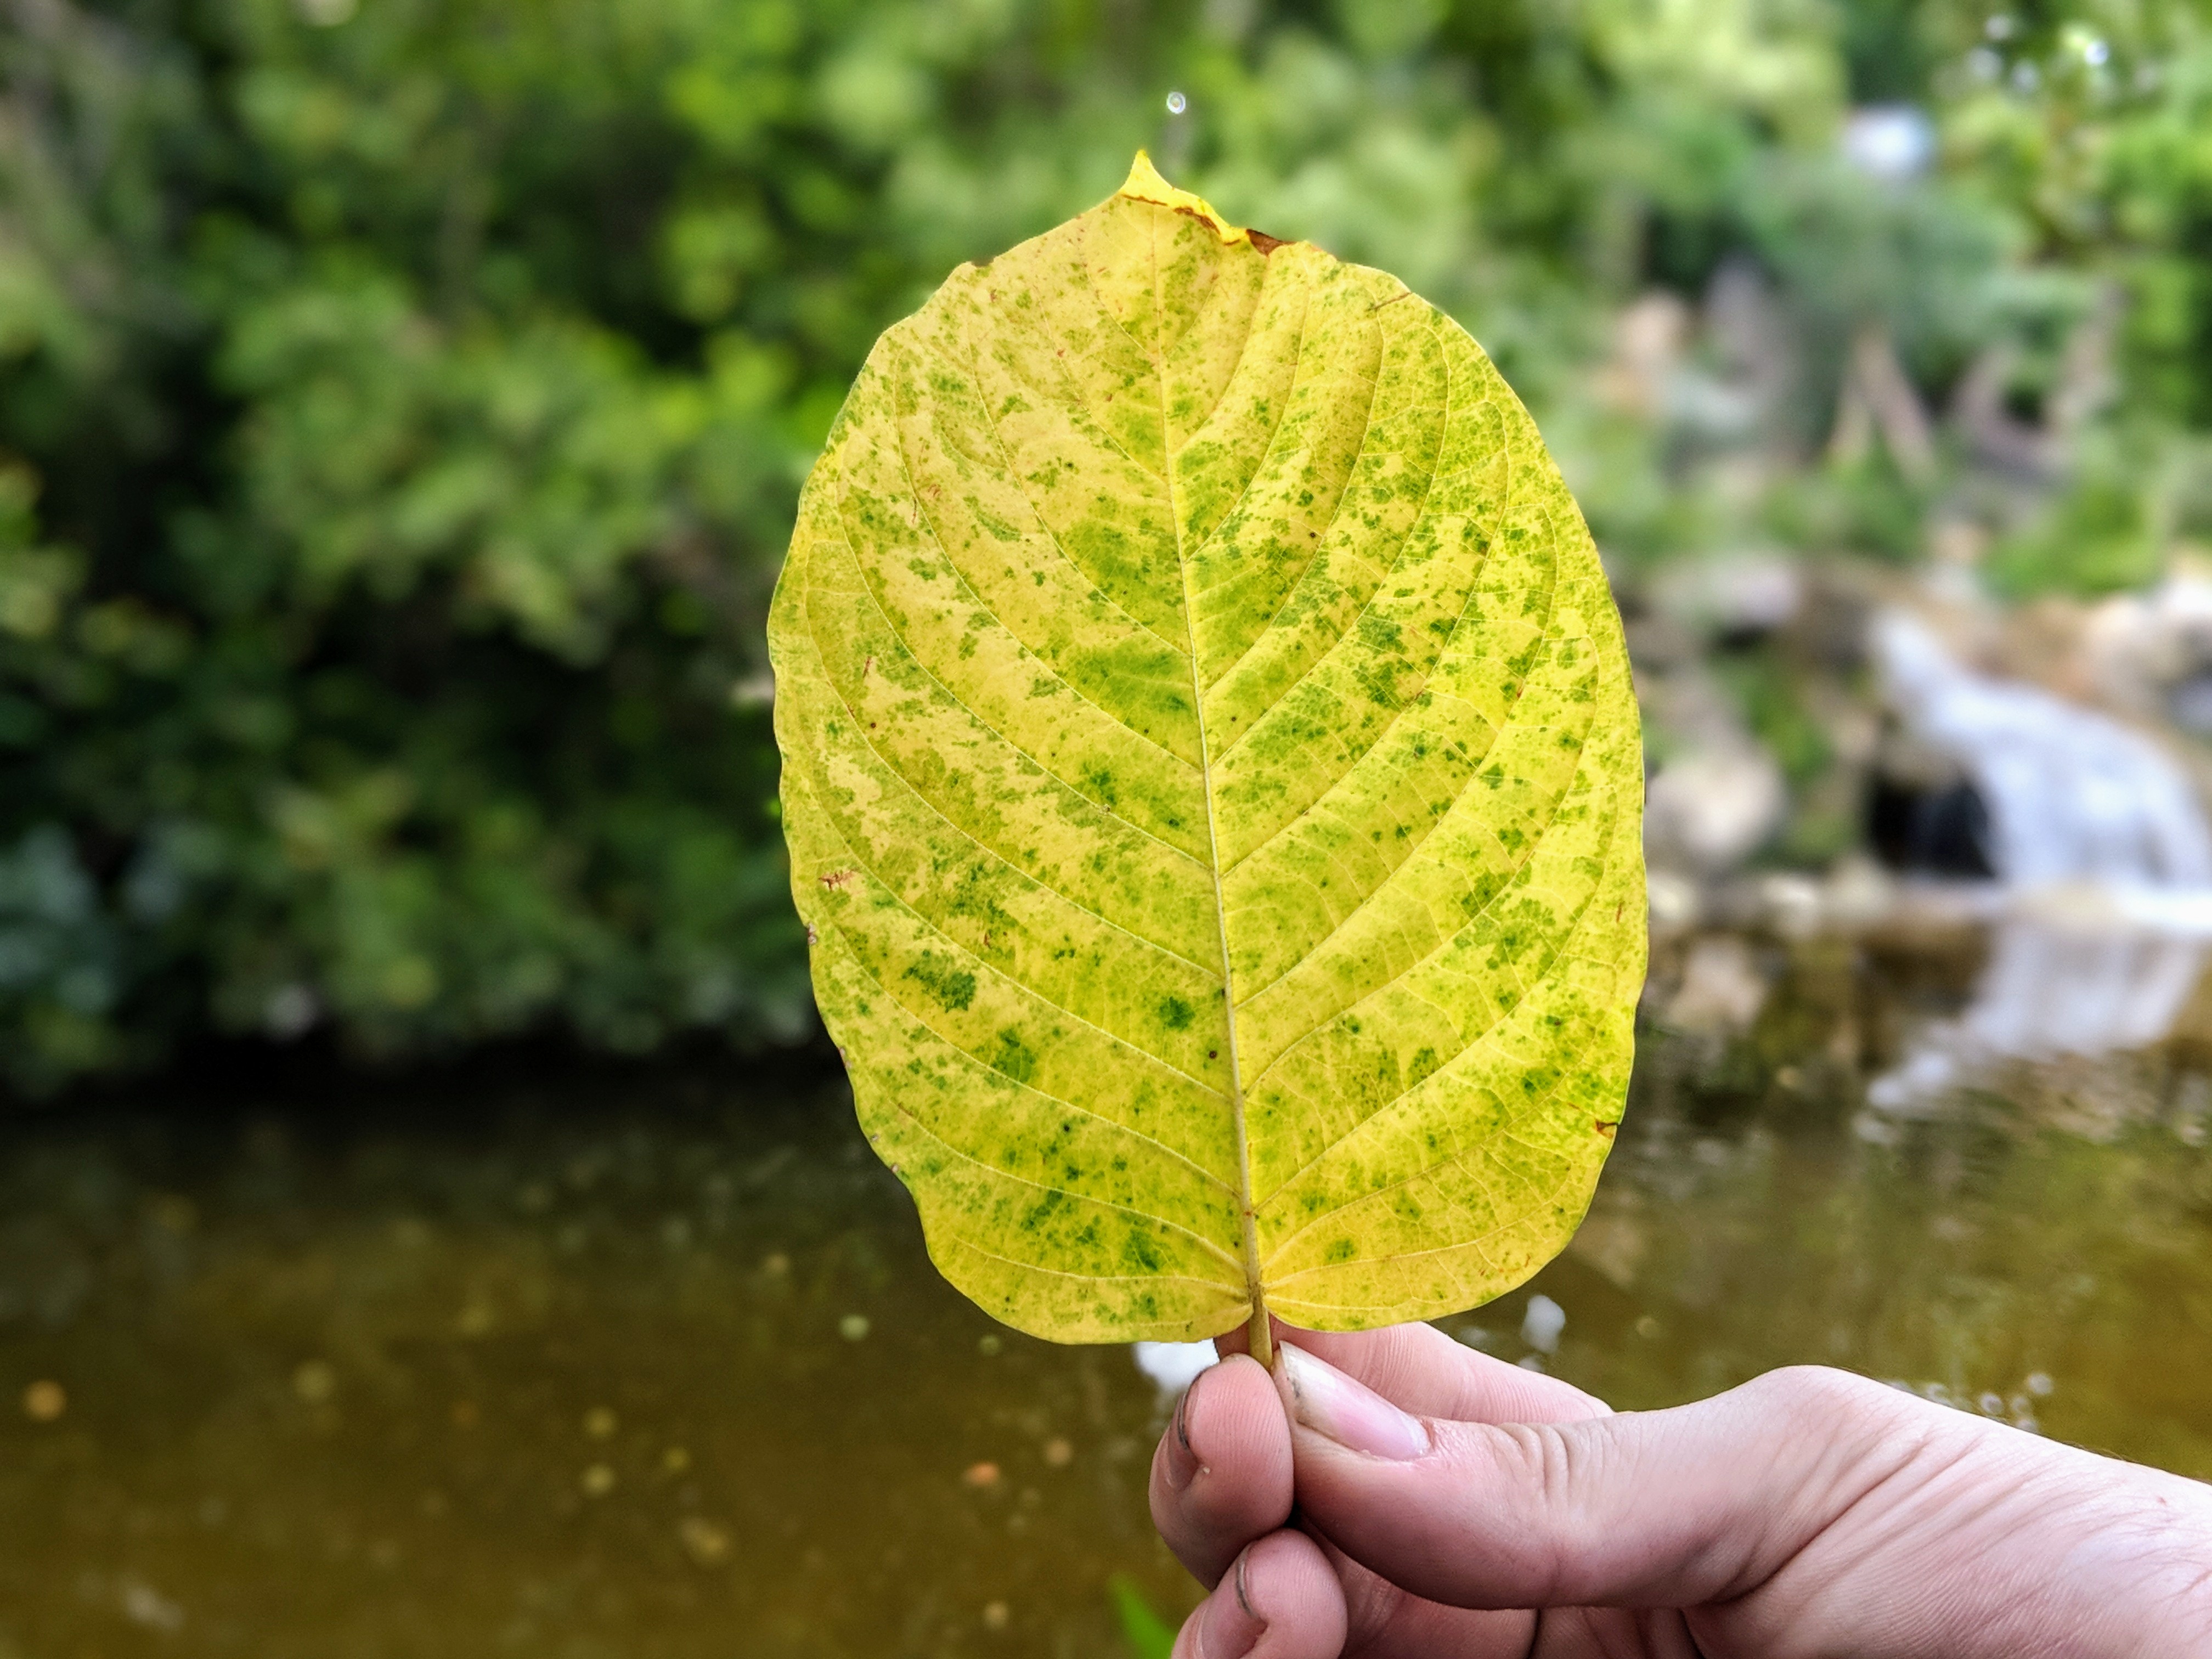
(653,1364)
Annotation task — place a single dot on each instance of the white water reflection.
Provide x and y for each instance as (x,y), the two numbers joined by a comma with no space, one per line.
(2101,844)
(2048,991)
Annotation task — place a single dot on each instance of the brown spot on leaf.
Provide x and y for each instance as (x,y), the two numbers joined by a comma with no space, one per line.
(840,879)
(1266,243)
(1606,1128)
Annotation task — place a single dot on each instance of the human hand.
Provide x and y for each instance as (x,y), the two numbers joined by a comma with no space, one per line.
(1450,1506)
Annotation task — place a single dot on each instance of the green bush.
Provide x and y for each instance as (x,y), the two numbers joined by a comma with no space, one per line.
(402,406)
(2094,540)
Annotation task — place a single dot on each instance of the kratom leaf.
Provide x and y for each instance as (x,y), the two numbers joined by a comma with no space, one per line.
(1214,788)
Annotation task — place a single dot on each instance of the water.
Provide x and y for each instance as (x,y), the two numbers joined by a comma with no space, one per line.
(2101,845)
(653,1364)
(2072,794)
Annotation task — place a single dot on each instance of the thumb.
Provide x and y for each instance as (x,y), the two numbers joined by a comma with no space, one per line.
(1645,1508)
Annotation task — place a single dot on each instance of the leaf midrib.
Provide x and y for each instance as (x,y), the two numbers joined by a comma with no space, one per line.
(1247,1216)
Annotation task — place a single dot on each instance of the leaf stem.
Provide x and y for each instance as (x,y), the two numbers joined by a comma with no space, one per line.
(1261,1332)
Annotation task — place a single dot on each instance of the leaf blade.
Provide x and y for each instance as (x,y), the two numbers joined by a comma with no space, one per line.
(1213,785)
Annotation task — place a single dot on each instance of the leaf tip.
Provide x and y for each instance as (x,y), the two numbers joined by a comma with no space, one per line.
(1145,184)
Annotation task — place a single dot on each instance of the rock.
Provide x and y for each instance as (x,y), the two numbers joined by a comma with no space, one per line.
(2189,704)
(2150,654)
(1738,595)
(1859,893)
(1649,337)
(1721,990)
(1708,810)
(1674,901)
(1794,905)
(1612,1242)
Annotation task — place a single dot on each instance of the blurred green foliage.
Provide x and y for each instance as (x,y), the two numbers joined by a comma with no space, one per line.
(1146,1635)
(401,404)
(1777,717)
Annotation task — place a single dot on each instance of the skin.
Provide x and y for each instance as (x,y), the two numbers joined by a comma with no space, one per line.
(1484,1511)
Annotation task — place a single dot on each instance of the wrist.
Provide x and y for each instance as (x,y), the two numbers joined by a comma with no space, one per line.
(2125,1553)
(2006,1545)
(2177,1552)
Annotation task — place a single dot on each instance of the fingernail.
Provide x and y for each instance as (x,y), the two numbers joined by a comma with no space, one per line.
(1328,1403)
(1182,1465)
(1231,1626)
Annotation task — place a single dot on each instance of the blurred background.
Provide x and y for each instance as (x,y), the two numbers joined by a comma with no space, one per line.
(433,1222)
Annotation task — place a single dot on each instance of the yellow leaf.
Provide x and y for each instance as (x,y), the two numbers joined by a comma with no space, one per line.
(1213,785)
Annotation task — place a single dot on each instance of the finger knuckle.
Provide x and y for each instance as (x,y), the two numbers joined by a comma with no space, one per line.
(1822,1394)
(1547,1470)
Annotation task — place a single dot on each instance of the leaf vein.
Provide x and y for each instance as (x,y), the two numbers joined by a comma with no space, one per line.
(978,842)
(922,513)
(1108,811)
(991,420)
(965,1156)
(877,979)
(1502,1016)
(1420,518)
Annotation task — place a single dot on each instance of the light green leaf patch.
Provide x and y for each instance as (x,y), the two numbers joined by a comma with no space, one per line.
(1214,788)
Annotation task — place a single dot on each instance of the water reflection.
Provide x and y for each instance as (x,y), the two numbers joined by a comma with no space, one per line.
(2101,846)
(658,1366)
(582,1370)
(2043,1234)
(2048,991)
